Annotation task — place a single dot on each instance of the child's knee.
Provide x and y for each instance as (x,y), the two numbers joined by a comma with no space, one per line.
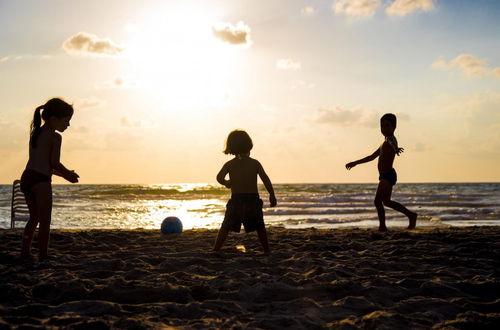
(386,202)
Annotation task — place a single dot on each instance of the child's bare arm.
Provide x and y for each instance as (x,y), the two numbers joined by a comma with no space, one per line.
(221,176)
(363,160)
(58,168)
(267,183)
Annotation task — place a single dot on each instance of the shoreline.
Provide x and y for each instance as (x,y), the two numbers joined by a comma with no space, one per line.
(314,278)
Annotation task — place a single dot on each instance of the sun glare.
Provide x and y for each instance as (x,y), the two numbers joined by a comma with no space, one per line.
(175,53)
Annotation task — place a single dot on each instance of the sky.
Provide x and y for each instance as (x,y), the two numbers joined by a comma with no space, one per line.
(158,85)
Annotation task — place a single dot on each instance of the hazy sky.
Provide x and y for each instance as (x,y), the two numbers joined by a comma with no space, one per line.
(158,85)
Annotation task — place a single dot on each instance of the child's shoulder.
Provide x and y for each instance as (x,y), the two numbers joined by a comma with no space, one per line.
(50,135)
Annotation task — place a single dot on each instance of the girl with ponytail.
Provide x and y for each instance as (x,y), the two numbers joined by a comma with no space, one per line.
(44,160)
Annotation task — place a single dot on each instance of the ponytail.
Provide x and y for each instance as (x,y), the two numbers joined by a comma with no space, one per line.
(35,126)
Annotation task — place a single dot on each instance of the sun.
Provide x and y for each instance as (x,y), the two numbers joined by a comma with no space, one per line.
(174,52)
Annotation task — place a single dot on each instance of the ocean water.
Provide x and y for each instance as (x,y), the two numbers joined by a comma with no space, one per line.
(299,205)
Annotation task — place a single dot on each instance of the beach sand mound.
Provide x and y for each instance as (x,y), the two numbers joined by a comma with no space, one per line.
(343,279)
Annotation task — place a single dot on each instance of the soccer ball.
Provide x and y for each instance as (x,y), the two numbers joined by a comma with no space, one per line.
(171,225)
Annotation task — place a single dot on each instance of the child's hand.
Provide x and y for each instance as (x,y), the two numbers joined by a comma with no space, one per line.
(72,177)
(350,165)
(272,201)
(399,151)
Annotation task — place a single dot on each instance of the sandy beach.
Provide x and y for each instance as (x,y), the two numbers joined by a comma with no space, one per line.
(345,279)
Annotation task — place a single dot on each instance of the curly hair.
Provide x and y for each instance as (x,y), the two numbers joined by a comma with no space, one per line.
(238,142)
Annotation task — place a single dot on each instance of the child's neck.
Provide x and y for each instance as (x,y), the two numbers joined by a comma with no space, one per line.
(47,126)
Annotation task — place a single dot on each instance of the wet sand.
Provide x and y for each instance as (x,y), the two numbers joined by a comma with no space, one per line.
(346,279)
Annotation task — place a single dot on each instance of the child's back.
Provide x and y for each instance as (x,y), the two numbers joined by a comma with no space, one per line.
(40,157)
(243,173)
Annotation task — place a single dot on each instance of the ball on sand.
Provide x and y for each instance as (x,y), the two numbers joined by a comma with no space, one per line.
(171,225)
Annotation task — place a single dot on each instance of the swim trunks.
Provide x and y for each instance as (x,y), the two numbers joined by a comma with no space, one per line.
(390,176)
(246,209)
(31,178)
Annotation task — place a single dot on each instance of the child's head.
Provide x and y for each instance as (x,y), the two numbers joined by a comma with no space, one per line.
(388,124)
(56,112)
(238,143)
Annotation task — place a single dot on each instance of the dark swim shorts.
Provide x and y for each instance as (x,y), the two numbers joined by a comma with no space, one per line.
(31,178)
(390,176)
(246,209)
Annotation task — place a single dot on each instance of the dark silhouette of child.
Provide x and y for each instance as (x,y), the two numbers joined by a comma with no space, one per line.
(388,177)
(245,205)
(44,160)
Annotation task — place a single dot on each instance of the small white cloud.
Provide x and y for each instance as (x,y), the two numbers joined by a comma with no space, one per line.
(420,147)
(496,72)
(4,59)
(469,65)
(84,43)
(125,122)
(288,64)
(117,82)
(238,34)
(129,123)
(405,7)
(90,103)
(80,129)
(296,84)
(308,11)
(356,8)
(339,116)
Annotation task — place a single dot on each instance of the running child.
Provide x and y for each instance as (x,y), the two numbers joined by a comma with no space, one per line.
(44,160)
(388,177)
(245,205)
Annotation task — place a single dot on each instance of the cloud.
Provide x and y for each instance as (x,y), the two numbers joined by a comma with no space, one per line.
(238,34)
(405,7)
(308,11)
(496,72)
(474,122)
(469,65)
(356,8)
(125,122)
(90,103)
(339,116)
(129,123)
(296,84)
(84,43)
(4,59)
(288,64)
(117,82)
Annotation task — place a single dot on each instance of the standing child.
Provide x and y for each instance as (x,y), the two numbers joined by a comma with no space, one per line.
(44,154)
(245,206)
(388,177)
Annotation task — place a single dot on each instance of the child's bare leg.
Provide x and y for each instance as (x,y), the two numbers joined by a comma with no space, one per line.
(221,238)
(412,216)
(384,191)
(263,239)
(29,229)
(43,196)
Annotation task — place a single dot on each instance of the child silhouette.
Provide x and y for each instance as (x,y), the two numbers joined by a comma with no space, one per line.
(44,155)
(388,177)
(245,205)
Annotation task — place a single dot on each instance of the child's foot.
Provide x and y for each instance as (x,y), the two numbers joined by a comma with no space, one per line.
(43,258)
(26,258)
(413,221)
(382,228)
